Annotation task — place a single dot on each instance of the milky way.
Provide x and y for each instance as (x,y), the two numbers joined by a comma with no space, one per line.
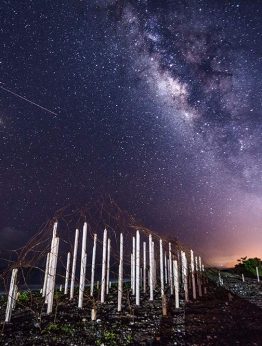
(156,102)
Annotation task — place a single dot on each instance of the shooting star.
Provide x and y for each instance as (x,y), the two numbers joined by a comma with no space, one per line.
(25,99)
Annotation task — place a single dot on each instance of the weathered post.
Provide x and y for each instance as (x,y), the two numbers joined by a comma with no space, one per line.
(243,278)
(108,265)
(93,266)
(137,268)
(103,277)
(73,274)
(67,272)
(11,296)
(120,276)
(164,305)
(82,268)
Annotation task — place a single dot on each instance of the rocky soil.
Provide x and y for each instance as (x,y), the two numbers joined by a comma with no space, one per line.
(226,315)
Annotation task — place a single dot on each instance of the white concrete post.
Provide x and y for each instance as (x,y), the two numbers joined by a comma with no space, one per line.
(108,265)
(54,230)
(11,295)
(166,278)
(199,264)
(151,296)
(73,274)
(184,270)
(193,274)
(15,295)
(199,283)
(144,266)
(131,272)
(137,268)
(170,269)
(52,275)
(134,266)
(258,279)
(93,266)
(103,277)
(176,283)
(82,268)
(161,267)
(46,274)
(243,278)
(120,276)
(154,265)
(49,279)
(67,272)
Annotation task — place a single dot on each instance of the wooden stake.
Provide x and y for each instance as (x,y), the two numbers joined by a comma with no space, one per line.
(72,285)
(93,314)
(164,305)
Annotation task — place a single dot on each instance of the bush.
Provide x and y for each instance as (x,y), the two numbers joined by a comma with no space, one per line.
(248,266)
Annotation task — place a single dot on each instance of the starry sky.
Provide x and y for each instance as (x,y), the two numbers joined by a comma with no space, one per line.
(157,103)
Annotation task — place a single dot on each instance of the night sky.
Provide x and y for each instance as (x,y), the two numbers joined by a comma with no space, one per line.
(157,103)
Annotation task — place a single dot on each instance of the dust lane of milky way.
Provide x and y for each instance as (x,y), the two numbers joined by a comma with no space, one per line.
(158,103)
